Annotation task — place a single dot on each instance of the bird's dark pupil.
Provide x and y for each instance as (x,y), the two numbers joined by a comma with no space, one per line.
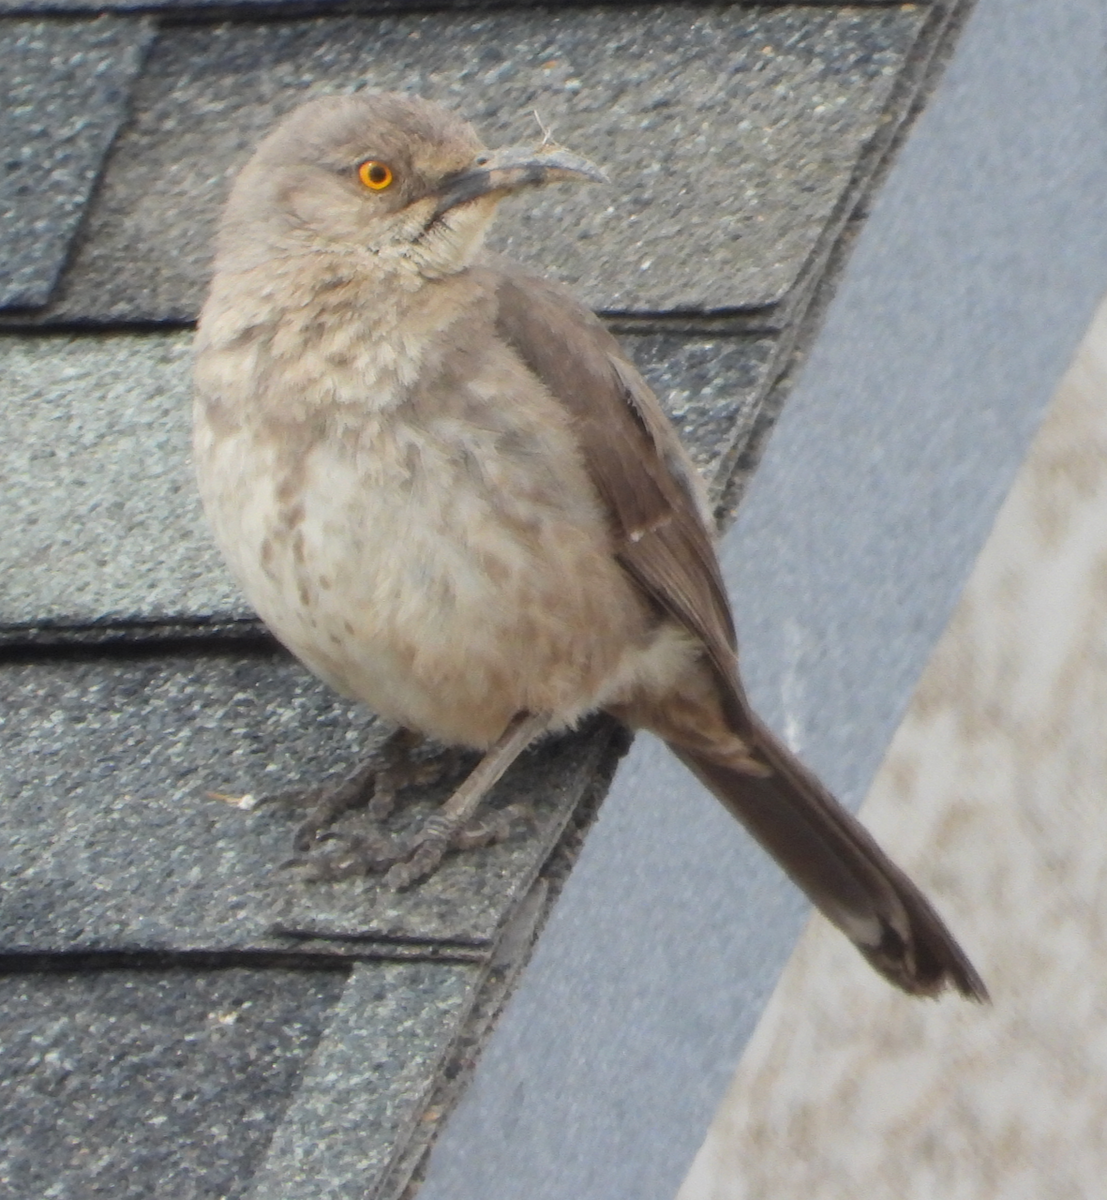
(377,174)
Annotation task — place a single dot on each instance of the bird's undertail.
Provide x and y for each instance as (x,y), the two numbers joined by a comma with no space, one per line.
(836,861)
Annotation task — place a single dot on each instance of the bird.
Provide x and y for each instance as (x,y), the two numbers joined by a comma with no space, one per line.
(446,489)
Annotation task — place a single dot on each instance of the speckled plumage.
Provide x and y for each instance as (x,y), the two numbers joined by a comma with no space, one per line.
(420,545)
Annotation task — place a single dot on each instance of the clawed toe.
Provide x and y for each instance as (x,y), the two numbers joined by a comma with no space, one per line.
(496,825)
(425,854)
(439,835)
(353,855)
(328,804)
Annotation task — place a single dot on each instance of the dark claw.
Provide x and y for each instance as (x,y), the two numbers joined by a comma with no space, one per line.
(359,855)
(424,861)
(495,827)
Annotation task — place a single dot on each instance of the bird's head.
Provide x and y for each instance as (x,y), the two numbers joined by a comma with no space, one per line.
(395,177)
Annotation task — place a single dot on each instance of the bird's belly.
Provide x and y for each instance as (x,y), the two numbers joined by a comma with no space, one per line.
(440,603)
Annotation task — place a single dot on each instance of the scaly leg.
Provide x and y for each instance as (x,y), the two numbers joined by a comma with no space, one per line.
(448,826)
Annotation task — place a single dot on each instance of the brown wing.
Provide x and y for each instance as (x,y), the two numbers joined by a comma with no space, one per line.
(664,542)
(633,455)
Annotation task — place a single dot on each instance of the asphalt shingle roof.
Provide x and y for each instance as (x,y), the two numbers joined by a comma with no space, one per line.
(182,1016)
(66,89)
(810,88)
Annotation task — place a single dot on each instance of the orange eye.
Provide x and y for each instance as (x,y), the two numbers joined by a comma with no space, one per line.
(375,175)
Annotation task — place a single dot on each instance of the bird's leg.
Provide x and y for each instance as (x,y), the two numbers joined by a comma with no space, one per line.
(375,783)
(450,826)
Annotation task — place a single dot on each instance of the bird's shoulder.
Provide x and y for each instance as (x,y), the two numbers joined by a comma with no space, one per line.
(618,419)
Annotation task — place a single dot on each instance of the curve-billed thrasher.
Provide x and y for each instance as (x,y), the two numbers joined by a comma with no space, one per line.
(446,489)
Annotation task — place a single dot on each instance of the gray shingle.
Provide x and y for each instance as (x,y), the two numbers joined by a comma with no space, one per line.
(730,134)
(109,838)
(298,7)
(102,516)
(369,1082)
(166,1082)
(64,87)
(711,388)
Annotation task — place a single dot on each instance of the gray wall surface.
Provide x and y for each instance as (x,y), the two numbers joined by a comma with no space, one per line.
(968,291)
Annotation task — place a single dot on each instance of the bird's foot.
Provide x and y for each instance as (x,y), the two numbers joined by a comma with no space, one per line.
(424,852)
(455,826)
(375,785)
(406,861)
(326,853)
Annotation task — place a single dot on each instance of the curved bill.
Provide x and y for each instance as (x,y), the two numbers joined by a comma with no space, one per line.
(516,167)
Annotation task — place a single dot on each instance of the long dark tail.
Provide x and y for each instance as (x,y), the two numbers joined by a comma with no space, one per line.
(838,863)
